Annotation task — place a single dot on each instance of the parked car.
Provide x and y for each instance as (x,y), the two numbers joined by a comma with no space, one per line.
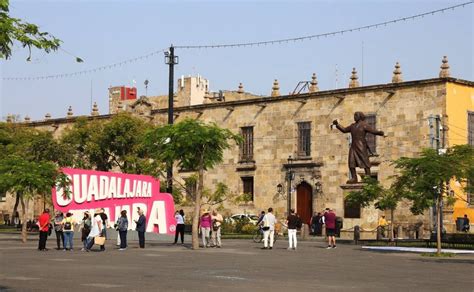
(236,217)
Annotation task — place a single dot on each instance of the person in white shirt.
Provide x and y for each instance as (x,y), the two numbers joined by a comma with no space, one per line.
(179,216)
(216,229)
(96,229)
(268,223)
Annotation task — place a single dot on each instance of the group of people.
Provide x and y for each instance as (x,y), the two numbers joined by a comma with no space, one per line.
(210,228)
(93,229)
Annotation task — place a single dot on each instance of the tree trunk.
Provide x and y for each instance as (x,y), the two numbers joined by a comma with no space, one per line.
(392,211)
(24,207)
(15,208)
(197,207)
(438,225)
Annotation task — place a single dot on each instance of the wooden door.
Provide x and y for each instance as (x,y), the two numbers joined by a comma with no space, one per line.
(304,202)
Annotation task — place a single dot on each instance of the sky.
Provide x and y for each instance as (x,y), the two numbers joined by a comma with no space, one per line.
(106,32)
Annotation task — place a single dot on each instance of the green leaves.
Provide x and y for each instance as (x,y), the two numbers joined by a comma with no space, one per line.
(190,143)
(27,34)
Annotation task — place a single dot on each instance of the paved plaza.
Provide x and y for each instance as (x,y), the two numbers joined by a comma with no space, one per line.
(239,266)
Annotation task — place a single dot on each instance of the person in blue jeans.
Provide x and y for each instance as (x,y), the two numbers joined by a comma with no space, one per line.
(68,231)
(122,227)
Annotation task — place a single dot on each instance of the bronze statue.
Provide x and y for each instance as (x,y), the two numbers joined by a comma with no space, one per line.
(359,151)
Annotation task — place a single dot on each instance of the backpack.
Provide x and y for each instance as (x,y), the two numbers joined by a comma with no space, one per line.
(67,225)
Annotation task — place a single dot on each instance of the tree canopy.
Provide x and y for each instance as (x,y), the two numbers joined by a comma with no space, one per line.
(27,34)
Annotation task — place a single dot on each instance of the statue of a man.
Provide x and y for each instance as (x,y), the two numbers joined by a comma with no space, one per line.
(359,151)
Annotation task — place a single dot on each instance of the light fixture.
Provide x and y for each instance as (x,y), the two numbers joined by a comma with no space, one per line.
(279,188)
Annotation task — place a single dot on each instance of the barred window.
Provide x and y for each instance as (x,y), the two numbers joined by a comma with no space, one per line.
(371,140)
(304,139)
(248,185)
(470,128)
(351,211)
(246,148)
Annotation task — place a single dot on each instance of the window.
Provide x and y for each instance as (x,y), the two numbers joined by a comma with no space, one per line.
(304,139)
(371,142)
(248,186)
(351,211)
(190,184)
(470,195)
(246,149)
(470,128)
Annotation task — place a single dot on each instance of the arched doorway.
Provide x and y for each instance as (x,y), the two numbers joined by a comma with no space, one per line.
(304,201)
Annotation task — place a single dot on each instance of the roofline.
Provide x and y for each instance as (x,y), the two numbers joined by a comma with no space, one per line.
(266,99)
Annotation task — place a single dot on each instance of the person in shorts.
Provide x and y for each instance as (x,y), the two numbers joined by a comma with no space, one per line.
(330,221)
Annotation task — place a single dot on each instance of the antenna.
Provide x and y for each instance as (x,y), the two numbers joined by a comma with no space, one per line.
(362,83)
(91,95)
(336,82)
(146,87)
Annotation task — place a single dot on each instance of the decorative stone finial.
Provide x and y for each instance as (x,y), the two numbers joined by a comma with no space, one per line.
(9,118)
(95,110)
(444,68)
(69,112)
(354,79)
(276,88)
(47,116)
(27,119)
(397,74)
(314,84)
(241,88)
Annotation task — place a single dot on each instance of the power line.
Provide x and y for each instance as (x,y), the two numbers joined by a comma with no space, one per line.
(328,34)
(270,42)
(77,73)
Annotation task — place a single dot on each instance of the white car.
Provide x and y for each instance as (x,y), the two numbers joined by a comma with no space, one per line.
(250,217)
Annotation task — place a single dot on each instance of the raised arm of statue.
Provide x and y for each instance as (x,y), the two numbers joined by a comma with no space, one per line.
(374,131)
(341,128)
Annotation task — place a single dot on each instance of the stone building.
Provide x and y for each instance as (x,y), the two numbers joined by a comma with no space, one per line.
(292,134)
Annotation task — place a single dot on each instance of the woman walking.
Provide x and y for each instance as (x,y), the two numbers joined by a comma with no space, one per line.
(122,226)
(179,216)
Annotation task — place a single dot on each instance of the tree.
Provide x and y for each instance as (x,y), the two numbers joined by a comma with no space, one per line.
(374,193)
(105,145)
(193,145)
(425,180)
(28,166)
(27,34)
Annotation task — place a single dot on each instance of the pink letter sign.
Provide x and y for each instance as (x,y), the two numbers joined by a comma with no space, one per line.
(115,192)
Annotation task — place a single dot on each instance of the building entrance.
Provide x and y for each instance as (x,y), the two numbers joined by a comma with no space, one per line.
(304,201)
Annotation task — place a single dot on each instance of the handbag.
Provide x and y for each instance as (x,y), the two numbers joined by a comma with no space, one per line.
(99,240)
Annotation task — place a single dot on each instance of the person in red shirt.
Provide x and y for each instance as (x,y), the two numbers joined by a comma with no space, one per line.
(43,223)
(330,221)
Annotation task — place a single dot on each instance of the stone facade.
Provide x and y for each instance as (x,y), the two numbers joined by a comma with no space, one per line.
(401,110)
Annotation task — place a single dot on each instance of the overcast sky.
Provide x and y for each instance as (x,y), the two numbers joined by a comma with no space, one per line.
(106,32)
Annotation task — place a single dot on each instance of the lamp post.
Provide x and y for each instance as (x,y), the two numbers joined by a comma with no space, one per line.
(171,60)
(289,175)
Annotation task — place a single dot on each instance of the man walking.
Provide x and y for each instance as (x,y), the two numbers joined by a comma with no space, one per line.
(292,221)
(330,220)
(268,222)
(43,222)
(216,229)
(141,228)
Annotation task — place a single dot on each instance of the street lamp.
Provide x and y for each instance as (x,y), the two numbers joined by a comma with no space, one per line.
(171,60)
(289,176)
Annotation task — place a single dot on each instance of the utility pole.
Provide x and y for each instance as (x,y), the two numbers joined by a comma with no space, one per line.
(435,142)
(171,60)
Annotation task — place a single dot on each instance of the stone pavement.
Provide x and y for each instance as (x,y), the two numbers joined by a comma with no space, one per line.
(240,265)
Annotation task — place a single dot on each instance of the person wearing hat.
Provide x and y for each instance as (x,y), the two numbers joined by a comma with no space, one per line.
(96,229)
(68,230)
(205,224)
